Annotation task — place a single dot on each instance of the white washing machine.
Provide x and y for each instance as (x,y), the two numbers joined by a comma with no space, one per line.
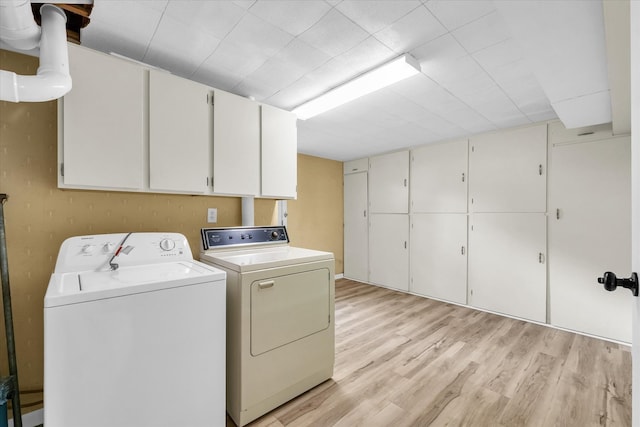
(134,334)
(280,316)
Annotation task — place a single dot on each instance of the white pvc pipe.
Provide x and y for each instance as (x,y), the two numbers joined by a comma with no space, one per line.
(52,80)
(18,29)
(248,218)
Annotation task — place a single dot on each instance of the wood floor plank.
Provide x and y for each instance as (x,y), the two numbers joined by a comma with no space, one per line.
(404,360)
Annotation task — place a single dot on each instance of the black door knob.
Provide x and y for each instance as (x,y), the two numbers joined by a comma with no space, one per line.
(611,282)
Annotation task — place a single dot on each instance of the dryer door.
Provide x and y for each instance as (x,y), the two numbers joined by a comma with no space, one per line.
(289,307)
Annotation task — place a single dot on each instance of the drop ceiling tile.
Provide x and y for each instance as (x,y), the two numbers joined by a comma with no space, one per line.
(179,48)
(374,16)
(412,30)
(456,13)
(482,33)
(242,59)
(334,34)
(215,17)
(292,16)
(542,116)
(498,55)
(275,74)
(255,89)
(216,76)
(122,27)
(452,70)
(366,56)
(468,119)
(586,110)
(297,93)
(256,34)
(471,89)
(245,4)
(302,56)
(101,37)
(444,48)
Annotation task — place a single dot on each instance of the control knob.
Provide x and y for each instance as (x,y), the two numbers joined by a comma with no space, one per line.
(274,235)
(167,244)
(87,249)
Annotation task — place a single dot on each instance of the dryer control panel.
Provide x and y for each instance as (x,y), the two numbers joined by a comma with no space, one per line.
(243,236)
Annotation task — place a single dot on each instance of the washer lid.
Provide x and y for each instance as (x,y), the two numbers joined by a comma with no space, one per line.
(263,258)
(70,288)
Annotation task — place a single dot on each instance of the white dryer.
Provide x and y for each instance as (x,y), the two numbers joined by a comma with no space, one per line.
(134,334)
(280,316)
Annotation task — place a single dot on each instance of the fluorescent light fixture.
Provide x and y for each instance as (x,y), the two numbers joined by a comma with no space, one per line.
(393,71)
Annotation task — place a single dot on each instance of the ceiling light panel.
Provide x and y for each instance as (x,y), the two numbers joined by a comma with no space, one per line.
(383,76)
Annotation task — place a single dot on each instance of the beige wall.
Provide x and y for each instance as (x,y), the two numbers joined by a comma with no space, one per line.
(39,216)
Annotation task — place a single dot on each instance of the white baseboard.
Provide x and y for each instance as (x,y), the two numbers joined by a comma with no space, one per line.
(30,419)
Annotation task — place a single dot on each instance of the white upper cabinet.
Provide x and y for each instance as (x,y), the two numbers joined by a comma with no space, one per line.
(508,171)
(439,178)
(180,133)
(389,183)
(236,145)
(102,123)
(507,264)
(279,147)
(355,166)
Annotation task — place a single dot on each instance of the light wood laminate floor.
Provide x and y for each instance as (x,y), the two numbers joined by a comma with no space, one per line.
(403,360)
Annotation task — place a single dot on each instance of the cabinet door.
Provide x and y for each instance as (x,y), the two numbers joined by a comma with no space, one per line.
(439,256)
(236,145)
(507,270)
(180,118)
(590,233)
(439,178)
(356,230)
(355,166)
(103,122)
(279,151)
(389,250)
(507,171)
(389,183)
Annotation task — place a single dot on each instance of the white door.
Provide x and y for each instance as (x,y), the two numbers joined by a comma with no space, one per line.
(589,232)
(389,250)
(356,244)
(635,191)
(438,256)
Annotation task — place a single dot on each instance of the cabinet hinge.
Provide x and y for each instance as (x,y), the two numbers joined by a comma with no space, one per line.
(558,213)
(540,170)
(61,169)
(462,250)
(462,176)
(473,148)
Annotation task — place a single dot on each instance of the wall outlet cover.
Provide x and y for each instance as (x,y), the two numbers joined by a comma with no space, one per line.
(212,215)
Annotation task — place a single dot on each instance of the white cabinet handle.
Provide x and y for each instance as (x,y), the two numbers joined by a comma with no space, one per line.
(266,285)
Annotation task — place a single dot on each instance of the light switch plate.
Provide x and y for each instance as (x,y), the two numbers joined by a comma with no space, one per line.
(212,215)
